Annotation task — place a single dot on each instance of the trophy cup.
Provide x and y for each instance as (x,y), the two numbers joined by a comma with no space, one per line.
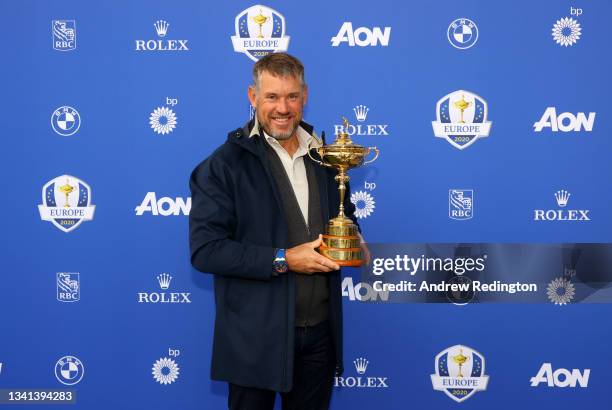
(260,20)
(341,240)
(460,359)
(462,105)
(67,190)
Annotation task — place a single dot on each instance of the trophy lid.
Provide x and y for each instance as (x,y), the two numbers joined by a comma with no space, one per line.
(343,138)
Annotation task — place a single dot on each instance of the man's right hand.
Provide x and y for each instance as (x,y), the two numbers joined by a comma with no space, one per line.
(305,259)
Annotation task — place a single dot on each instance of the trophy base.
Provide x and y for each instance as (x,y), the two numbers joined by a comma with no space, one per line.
(341,243)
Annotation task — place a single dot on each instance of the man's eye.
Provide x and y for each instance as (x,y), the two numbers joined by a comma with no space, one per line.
(271,97)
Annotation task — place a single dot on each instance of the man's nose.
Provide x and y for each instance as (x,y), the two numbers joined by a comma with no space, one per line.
(282,107)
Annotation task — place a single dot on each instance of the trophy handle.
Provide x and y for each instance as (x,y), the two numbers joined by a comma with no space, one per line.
(316,160)
(376,156)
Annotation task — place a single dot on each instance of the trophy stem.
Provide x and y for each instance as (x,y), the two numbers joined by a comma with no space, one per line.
(342,179)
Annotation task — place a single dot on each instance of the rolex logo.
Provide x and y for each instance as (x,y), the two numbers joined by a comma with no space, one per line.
(164,280)
(361,381)
(562,197)
(361,112)
(361,365)
(161,26)
(564,214)
(361,127)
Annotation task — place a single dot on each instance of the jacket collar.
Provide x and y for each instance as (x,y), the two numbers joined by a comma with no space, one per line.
(251,135)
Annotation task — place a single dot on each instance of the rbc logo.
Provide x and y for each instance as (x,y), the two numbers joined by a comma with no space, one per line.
(64,35)
(68,287)
(461,204)
(362,37)
(565,122)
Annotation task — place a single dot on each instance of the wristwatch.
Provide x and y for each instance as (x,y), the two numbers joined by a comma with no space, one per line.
(280,263)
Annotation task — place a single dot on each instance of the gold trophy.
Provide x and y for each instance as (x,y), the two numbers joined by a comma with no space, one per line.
(341,240)
(260,20)
(460,359)
(67,190)
(462,105)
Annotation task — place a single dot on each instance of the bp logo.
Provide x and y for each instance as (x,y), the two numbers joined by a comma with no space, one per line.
(69,370)
(165,371)
(66,202)
(461,119)
(364,204)
(560,291)
(260,31)
(566,32)
(459,372)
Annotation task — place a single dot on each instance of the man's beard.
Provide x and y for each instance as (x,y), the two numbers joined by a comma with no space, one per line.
(279,136)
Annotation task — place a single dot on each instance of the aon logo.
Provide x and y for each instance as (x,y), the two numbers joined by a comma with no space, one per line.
(565,121)
(163,206)
(362,37)
(362,291)
(561,377)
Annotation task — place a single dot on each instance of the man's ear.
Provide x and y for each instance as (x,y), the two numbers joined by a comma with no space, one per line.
(252,96)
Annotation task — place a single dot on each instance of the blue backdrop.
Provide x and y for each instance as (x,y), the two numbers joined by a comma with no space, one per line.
(126,98)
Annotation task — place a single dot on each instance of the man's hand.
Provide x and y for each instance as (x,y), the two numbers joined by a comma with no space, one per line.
(304,259)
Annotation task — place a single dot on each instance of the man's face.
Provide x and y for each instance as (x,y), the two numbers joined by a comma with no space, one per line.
(279,103)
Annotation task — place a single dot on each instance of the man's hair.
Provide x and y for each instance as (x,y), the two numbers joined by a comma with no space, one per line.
(279,65)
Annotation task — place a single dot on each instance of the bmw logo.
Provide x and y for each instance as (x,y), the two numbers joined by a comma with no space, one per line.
(65,120)
(462,33)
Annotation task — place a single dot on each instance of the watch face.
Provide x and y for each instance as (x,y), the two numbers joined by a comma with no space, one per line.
(281,266)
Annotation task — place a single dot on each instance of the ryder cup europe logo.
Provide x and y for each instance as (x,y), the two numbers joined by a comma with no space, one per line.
(461,119)
(459,373)
(66,202)
(260,31)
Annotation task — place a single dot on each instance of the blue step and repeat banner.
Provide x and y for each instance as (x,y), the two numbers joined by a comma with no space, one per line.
(487,212)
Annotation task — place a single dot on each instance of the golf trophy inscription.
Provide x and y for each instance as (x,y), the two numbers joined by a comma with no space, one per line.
(341,240)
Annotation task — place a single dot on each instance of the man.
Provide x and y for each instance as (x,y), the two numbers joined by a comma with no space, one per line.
(259,205)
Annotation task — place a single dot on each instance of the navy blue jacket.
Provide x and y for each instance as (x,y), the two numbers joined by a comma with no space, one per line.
(235,223)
